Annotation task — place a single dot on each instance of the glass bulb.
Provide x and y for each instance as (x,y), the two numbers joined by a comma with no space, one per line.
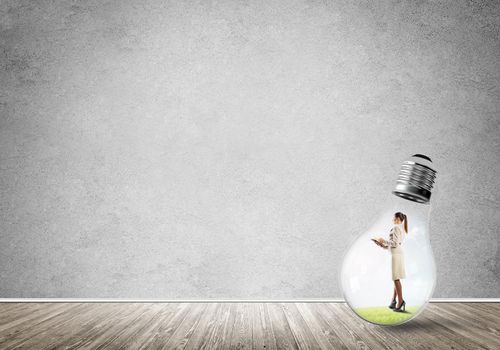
(369,271)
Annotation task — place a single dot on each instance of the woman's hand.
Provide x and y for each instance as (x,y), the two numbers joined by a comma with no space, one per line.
(380,242)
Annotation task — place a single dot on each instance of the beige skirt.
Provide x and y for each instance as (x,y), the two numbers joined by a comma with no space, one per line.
(398,266)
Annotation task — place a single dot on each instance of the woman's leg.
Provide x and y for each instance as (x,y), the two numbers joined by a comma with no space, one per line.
(394,294)
(399,290)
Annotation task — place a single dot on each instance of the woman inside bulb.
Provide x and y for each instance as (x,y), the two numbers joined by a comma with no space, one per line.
(394,243)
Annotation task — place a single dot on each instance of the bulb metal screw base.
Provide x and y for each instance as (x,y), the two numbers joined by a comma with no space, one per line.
(416,179)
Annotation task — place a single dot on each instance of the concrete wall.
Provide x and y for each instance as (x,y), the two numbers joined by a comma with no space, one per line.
(233,149)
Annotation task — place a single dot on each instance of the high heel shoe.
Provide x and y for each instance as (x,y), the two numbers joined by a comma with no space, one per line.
(393,304)
(401,308)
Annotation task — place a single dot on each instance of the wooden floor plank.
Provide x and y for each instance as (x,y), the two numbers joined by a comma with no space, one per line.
(39,311)
(120,323)
(86,326)
(14,311)
(164,331)
(453,339)
(323,333)
(241,336)
(281,329)
(166,312)
(263,336)
(421,333)
(138,327)
(181,336)
(227,331)
(301,332)
(490,308)
(35,325)
(344,331)
(202,332)
(208,325)
(369,334)
(465,327)
(51,333)
(223,325)
(481,312)
(474,320)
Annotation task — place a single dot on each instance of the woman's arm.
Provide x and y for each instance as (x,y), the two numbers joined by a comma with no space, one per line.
(394,238)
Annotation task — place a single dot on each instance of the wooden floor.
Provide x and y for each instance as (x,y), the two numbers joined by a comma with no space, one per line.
(240,326)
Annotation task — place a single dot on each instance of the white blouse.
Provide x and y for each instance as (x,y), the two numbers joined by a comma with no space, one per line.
(396,238)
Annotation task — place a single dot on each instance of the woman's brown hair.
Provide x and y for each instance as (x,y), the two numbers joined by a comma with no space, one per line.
(402,217)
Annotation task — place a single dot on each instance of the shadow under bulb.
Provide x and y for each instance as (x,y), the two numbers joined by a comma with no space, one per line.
(385,253)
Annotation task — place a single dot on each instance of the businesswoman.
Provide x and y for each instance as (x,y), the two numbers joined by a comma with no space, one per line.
(396,238)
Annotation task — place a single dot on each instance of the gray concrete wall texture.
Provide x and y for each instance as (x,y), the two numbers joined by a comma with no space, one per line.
(233,149)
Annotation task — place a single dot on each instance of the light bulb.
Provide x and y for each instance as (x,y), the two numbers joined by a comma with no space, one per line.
(369,271)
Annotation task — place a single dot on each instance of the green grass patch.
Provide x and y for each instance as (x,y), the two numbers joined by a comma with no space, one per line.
(384,315)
